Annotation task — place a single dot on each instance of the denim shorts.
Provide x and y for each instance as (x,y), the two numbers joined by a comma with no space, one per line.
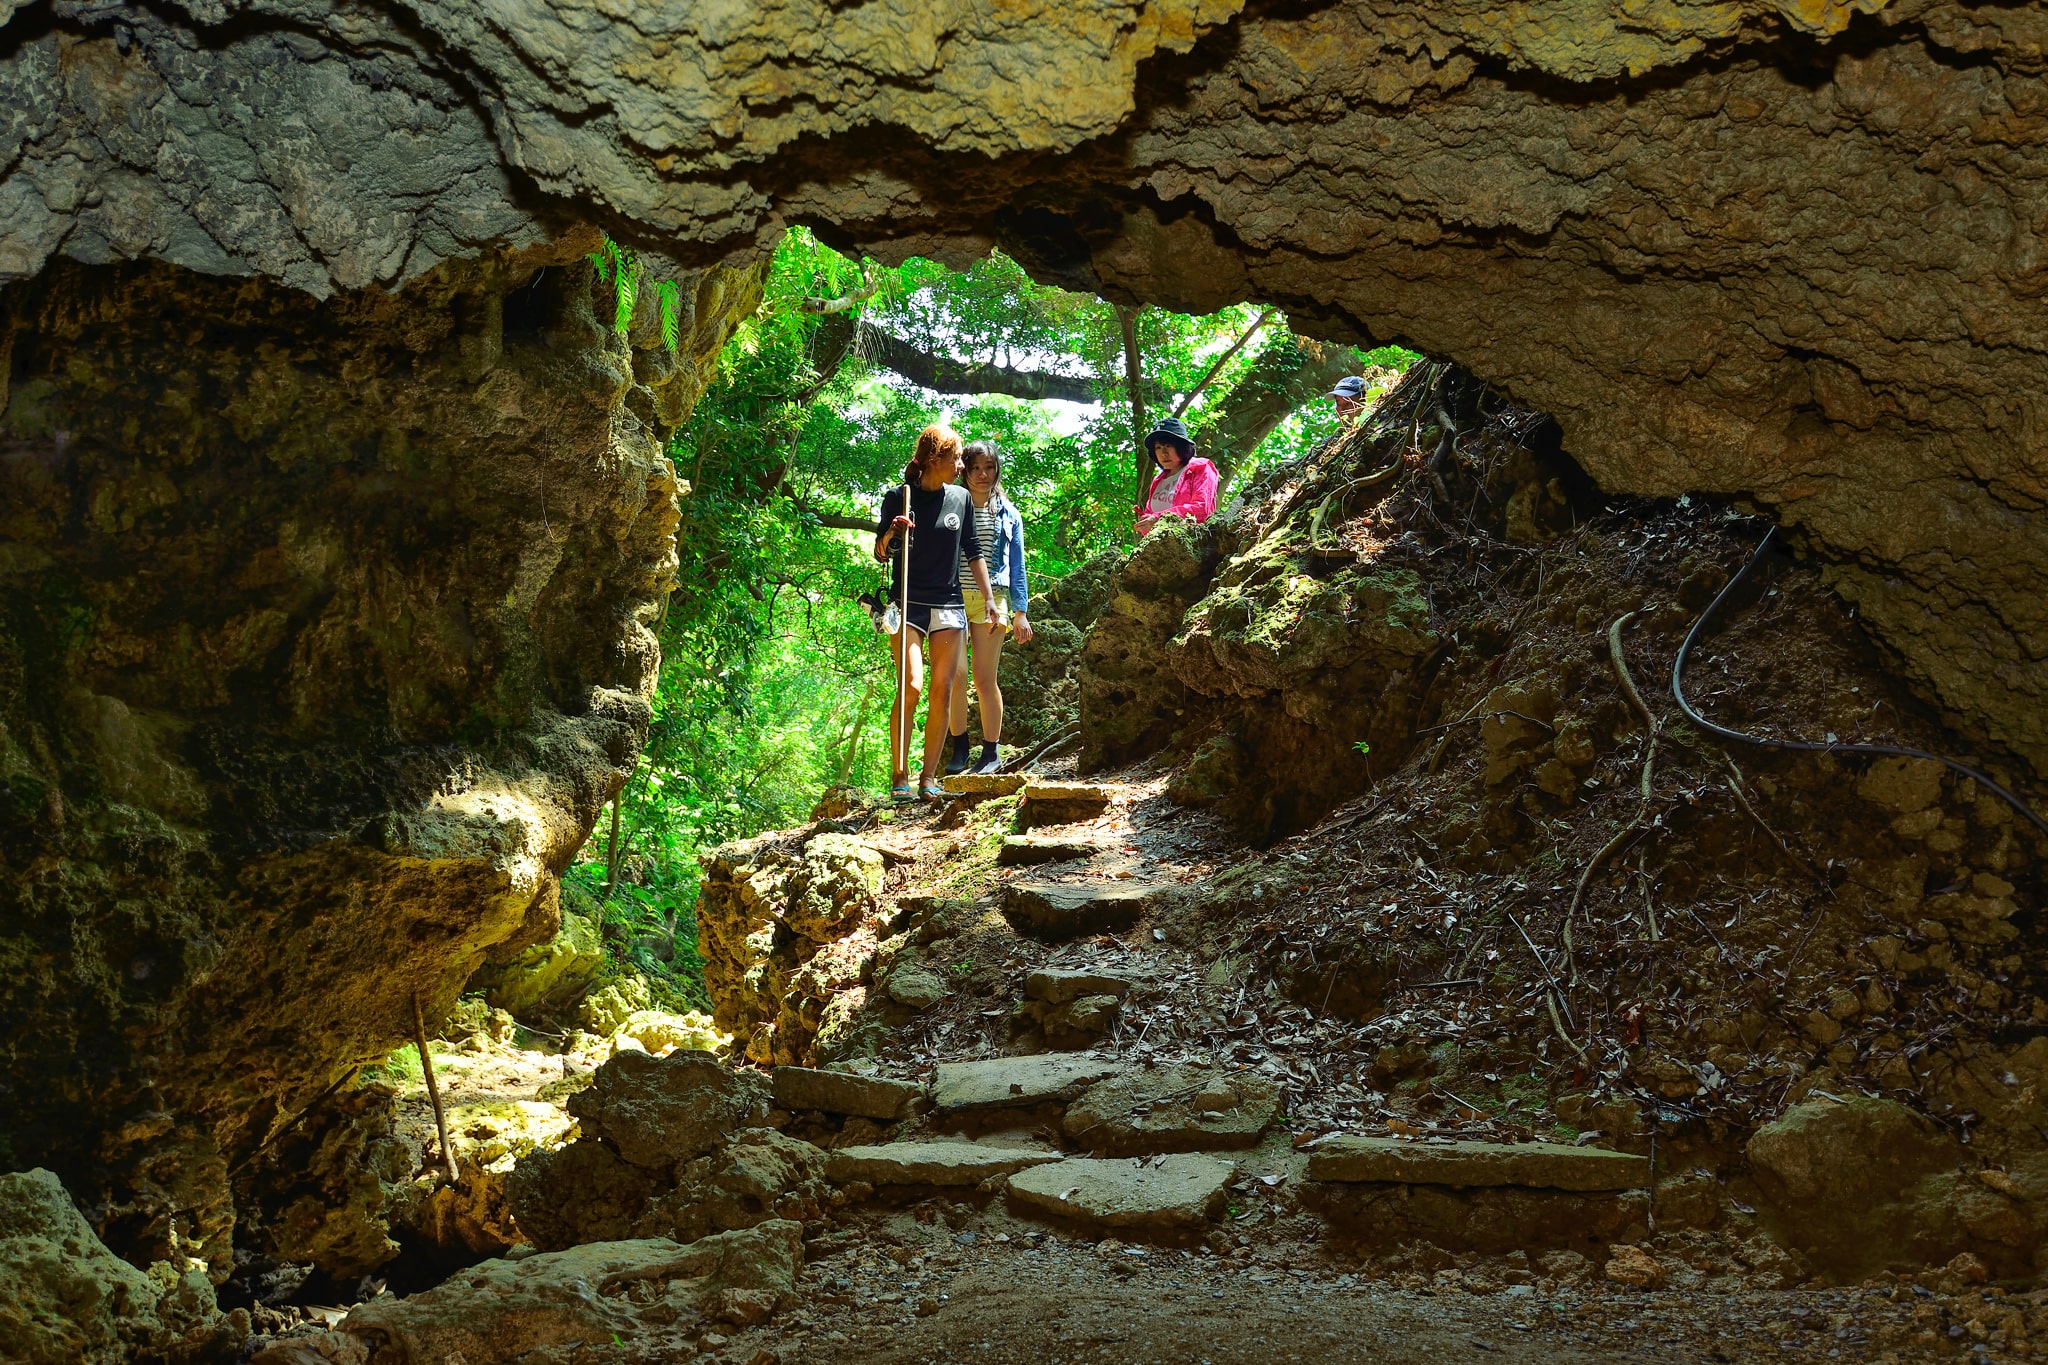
(1001,606)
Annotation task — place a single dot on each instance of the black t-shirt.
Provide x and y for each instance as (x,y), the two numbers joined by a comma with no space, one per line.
(941,535)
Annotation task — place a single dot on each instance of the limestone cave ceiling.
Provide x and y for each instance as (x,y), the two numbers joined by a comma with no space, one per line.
(1784,250)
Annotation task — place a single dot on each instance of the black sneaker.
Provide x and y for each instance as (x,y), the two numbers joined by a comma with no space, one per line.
(990,760)
(958,762)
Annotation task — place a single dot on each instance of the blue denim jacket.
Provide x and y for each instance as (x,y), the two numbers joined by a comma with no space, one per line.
(1006,556)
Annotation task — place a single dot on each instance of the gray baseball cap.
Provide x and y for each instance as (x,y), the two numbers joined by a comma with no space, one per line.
(1350,386)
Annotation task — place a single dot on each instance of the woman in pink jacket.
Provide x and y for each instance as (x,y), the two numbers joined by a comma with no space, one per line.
(1185,485)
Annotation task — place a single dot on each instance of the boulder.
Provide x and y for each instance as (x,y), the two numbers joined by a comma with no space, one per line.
(845,1092)
(657,1111)
(1173,1193)
(763,1174)
(645,1299)
(915,986)
(1078,1023)
(1015,1082)
(1058,911)
(467,1221)
(1172,1109)
(931,1163)
(1870,1185)
(549,976)
(66,1300)
(583,1193)
(1353,1157)
(1634,1267)
(1072,1008)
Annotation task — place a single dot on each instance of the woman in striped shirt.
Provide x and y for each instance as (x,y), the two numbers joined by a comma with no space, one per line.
(1000,532)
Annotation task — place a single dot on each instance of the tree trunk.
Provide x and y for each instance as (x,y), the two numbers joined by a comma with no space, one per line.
(860,725)
(1284,377)
(943,374)
(1134,385)
(611,858)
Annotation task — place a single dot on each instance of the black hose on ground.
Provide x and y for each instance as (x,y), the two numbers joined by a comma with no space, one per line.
(1807,745)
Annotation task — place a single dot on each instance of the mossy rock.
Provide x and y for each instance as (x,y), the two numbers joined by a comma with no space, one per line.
(548,978)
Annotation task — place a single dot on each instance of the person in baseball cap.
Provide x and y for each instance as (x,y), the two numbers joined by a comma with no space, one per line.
(1350,396)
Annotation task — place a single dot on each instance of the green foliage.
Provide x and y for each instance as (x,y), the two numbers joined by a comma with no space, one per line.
(773,682)
(669,295)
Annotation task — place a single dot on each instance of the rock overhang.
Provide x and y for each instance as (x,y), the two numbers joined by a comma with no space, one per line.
(1779,252)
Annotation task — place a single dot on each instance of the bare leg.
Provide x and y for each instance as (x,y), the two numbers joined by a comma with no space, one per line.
(905,709)
(988,652)
(945,657)
(959,708)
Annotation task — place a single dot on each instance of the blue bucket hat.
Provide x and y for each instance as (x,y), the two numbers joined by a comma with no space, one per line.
(1174,430)
(1350,386)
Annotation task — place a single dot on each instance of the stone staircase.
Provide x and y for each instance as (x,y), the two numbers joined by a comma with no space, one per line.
(1123,1147)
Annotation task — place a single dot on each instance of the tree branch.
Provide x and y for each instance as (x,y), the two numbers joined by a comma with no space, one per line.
(1223,360)
(827,307)
(943,374)
(837,521)
(1282,379)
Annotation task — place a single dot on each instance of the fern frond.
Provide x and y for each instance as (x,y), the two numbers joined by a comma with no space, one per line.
(669,295)
(628,295)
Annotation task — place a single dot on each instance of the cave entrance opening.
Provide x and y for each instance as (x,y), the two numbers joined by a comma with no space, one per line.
(775,686)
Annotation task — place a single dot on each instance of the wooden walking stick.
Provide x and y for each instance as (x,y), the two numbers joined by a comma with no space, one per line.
(903,707)
(419,1038)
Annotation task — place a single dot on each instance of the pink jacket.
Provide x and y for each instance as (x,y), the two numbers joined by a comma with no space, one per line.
(1194,497)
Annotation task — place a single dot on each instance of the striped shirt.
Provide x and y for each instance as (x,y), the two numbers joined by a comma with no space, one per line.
(985,530)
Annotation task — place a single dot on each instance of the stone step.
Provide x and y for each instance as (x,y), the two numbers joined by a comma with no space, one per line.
(1067,910)
(984,784)
(1173,1109)
(931,1163)
(1062,803)
(1354,1157)
(1165,1194)
(1059,985)
(1093,793)
(1016,1082)
(1023,850)
(845,1092)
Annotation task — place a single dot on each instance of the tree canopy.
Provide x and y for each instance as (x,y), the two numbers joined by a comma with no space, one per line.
(773,682)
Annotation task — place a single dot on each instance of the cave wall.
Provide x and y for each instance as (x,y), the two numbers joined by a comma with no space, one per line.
(330,512)
(324,633)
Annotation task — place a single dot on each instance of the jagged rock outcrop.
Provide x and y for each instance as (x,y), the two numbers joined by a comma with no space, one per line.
(323,636)
(787,928)
(671,1147)
(320,643)
(1130,701)
(65,1297)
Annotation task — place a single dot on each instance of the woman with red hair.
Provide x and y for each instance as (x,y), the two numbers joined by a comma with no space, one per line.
(936,517)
